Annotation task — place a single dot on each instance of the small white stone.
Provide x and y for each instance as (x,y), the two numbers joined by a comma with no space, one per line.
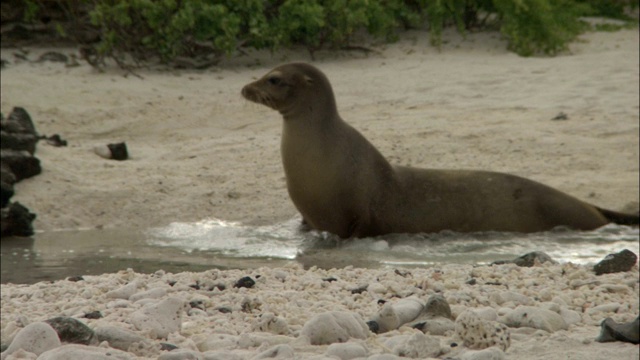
(491,353)
(418,346)
(334,326)
(534,317)
(346,351)
(155,293)
(160,319)
(124,292)
(83,352)
(36,338)
(282,351)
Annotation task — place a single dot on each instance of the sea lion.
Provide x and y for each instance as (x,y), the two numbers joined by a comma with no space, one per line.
(341,183)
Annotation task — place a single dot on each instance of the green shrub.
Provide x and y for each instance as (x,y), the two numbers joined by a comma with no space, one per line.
(142,30)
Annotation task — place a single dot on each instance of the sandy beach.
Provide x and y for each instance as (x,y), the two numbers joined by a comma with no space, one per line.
(198,150)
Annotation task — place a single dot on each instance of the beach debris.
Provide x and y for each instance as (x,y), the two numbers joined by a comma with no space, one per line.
(75,278)
(534,258)
(534,317)
(36,338)
(71,330)
(613,331)
(117,151)
(618,262)
(334,327)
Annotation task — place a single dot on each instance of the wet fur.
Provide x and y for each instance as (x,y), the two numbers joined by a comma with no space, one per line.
(341,183)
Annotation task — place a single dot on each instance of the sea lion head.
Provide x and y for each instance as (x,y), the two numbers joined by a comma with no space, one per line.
(292,89)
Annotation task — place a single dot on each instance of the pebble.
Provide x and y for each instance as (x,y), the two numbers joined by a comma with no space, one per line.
(538,318)
(269,322)
(155,293)
(73,331)
(282,351)
(181,354)
(36,338)
(478,333)
(346,351)
(491,353)
(83,352)
(124,292)
(334,326)
(117,337)
(160,319)
(393,315)
(417,345)
(618,262)
(613,331)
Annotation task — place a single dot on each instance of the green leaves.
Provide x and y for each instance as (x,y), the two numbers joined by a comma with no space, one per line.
(166,29)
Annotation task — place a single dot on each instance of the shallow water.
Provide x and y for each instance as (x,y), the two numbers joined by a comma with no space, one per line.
(219,244)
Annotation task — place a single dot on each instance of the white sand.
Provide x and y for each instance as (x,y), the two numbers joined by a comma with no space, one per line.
(199,150)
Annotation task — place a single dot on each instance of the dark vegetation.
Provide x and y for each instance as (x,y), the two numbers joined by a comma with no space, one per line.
(200,32)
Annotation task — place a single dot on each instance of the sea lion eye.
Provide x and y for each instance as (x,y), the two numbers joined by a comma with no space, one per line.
(274,80)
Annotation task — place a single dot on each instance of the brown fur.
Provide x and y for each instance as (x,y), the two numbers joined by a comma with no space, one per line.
(341,183)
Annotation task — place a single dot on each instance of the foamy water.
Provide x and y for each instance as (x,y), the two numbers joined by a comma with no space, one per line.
(215,243)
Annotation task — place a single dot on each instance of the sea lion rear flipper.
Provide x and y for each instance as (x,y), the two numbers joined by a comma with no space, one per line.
(620,218)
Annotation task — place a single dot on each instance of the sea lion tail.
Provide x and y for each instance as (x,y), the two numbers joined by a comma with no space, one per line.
(620,218)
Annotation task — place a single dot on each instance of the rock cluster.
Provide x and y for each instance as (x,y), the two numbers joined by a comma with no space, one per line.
(18,139)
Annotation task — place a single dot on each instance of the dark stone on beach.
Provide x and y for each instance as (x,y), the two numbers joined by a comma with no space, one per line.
(15,220)
(118,151)
(437,306)
(245,282)
(6,193)
(528,259)
(613,331)
(197,304)
(18,121)
(330,279)
(22,164)
(93,315)
(18,141)
(360,289)
(167,347)
(55,140)
(618,262)
(224,310)
(71,330)
(75,278)
(373,326)
(471,281)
